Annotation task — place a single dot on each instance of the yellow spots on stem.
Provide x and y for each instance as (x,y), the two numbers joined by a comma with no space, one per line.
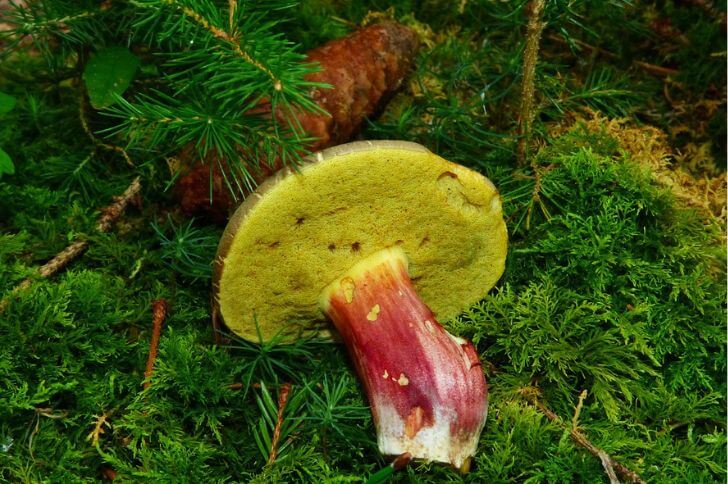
(374,313)
(385,375)
(403,380)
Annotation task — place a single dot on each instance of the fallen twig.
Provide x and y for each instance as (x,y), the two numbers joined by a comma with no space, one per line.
(109,216)
(611,466)
(240,386)
(282,401)
(159,312)
(83,116)
(646,66)
(655,69)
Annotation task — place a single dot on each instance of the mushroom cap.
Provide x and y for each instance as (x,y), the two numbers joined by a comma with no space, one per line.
(300,230)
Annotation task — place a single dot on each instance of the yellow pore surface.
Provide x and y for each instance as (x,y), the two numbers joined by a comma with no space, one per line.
(305,230)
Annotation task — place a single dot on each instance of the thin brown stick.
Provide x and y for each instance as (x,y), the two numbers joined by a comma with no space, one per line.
(159,313)
(610,465)
(83,116)
(655,69)
(646,66)
(240,386)
(534,28)
(109,216)
(282,401)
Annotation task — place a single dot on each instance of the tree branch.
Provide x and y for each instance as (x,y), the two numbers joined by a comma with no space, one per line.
(220,34)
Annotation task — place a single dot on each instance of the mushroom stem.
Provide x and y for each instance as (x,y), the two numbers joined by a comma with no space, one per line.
(425,386)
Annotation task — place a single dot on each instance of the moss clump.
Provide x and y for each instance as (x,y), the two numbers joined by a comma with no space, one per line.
(692,176)
(618,291)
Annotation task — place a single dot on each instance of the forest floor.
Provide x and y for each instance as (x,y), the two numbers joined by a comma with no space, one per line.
(610,319)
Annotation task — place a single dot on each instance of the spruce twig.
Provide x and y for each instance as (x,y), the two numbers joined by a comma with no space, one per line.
(284,391)
(534,29)
(159,313)
(109,216)
(221,35)
(611,466)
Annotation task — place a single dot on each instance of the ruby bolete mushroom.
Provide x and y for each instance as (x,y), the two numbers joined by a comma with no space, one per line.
(383,238)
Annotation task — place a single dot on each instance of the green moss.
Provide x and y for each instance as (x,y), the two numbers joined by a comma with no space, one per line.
(618,291)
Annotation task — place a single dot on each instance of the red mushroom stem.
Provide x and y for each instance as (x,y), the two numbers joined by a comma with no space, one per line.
(425,386)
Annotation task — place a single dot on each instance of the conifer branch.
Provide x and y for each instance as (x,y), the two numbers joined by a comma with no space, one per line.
(234,44)
(29,25)
(534,29)
(221,35)
(611,466)
(37,22)
(159,313)
(282,401)
(109,216)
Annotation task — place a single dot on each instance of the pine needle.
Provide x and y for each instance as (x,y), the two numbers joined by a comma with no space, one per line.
(159,312)
(283,392)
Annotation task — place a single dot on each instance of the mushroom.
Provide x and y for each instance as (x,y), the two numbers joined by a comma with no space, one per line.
(382,238)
